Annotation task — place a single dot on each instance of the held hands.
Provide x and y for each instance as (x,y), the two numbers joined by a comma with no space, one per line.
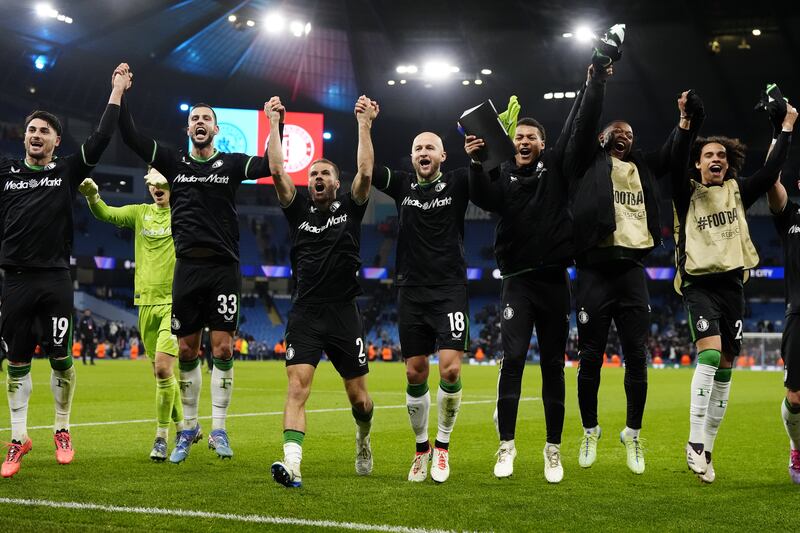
(88,188)
(366,110)
(274,109)
(472,145)
(600,74)
(690,105)
(122,78)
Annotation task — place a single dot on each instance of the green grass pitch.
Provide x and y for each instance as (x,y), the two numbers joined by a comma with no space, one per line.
(111,466)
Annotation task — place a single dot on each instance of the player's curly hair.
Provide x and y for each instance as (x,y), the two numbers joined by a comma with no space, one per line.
(734,148)
(50,118)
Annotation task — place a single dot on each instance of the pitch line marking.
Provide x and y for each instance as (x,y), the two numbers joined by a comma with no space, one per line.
(249,518)
(265,413)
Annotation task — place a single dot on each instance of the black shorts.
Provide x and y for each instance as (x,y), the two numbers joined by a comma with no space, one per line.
(540,298)
(433,318)
(205,293)
(715,306)
(36,309)
(334,327)
(790,352)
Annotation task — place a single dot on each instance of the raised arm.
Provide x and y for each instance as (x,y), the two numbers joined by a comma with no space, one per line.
(284,186)
(581,144)
(759,183)
(124,217)
(366,111)
(483,192)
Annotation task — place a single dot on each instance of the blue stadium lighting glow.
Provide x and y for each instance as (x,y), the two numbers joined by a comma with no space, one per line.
(184,107)
(327,135)
(40,62)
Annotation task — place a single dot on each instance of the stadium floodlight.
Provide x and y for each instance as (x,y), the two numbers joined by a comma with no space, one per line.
(390,82)
(548,96)
(402,82)
(584,34)
(402,69)
(296,27)
(486,71)
(274,22)
(184,107)
(454,69)
(412,69)
(45,10)
(307,28)
(435,70)
(756,32)
(570,94)
(465,82)
(478,82)
(567,35)
(231,18)
(250,23)
(327,135)
(68,20)
(558,95)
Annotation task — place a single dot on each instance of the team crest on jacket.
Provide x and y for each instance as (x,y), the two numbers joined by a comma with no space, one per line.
(217,163)
(176,324)
(583,317)
(335,205)
(702,324)
(289,353)
(508,312)
(440,187)
(50,166)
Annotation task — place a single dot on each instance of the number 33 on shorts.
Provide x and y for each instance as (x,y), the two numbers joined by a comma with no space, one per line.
(228,306)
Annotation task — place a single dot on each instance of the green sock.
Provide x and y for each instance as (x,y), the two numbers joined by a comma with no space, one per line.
(723,375)
(291,435)
(177,406)
(165,403)
(188,366)
(61,364)
(417,390)
(223,364)
(450,387)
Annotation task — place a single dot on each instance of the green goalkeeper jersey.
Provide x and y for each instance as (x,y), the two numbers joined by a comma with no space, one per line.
(154,251)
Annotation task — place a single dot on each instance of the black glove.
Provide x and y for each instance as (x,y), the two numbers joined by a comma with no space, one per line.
(773,102)
(694,106)
(608,47)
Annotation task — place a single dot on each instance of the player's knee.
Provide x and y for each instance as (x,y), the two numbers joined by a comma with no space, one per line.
(417,371)
(162,370)
(186,351)
(450,373)
(793,396)
(591,358)
(223,351)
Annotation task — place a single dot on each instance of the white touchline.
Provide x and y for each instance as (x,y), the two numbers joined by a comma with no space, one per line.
(251,518)
(265,413)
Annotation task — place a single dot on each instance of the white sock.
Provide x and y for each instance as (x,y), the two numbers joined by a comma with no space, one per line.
(292,452)
(632,433)
(418,409)
(221,390)
(792,423)
(448,403)
(190,382)
(363,427)
(62,383)
(717,405)
(19,392)
(702,383)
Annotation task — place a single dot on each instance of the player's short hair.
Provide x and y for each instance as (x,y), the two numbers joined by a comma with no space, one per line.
(532,122)
(50,118)
(329,162)
(201,104)
(734,149)
(615,121)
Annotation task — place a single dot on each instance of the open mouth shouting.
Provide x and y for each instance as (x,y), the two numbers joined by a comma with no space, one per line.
(425,165)
(525,152)
(200,133)
(159,194)
(716,170)
(319,186)
(36,143)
